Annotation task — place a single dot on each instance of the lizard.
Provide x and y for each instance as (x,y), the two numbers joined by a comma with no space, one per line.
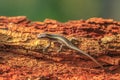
(64,40)
(67,43)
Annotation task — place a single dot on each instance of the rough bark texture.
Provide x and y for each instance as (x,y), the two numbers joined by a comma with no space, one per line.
(21,56)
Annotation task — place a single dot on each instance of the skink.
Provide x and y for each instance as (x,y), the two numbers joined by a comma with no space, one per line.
(67,43)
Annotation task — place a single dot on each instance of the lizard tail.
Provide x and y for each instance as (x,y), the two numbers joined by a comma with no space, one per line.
(91,58)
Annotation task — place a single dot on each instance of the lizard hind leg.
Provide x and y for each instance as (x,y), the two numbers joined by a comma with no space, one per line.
(60,48)
(74,41)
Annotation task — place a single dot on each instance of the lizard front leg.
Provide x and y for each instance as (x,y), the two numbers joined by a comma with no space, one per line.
(46,48)
(49,44)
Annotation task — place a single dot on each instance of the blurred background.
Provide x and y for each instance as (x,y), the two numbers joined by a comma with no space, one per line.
(61,10)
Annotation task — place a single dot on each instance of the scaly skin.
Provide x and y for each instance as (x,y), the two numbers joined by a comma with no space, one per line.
(67,43)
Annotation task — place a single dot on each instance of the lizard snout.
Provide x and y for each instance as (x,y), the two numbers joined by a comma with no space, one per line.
(41,35)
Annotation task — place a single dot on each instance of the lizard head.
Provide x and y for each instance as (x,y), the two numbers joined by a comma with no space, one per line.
(43,35)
